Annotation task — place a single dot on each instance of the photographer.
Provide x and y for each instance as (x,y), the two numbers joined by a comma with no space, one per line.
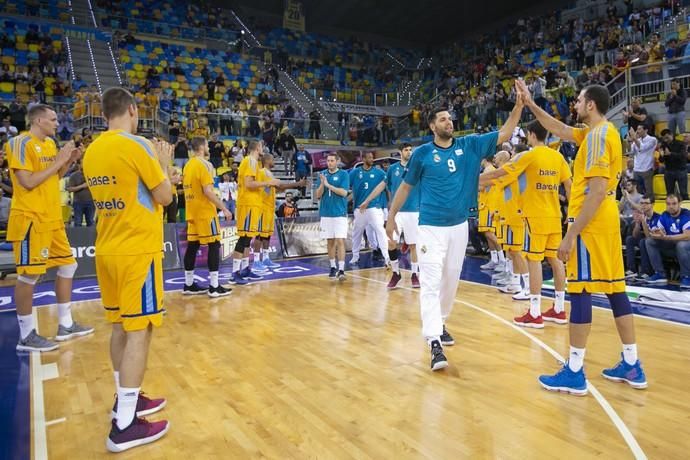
(288,210)
(674,156)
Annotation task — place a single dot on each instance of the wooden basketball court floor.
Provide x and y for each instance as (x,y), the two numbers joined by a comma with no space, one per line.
(309,368)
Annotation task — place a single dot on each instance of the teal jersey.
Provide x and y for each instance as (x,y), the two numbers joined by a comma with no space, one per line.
(364,182)
(332,204)
(449,178)
(394,178)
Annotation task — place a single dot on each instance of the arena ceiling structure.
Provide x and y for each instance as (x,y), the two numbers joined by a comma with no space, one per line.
(422,22)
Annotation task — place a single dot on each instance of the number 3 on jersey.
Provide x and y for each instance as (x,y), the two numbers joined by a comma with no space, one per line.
(366,186)
(451,165)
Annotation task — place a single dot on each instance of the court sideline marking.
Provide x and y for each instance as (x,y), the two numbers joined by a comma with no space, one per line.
(625,432)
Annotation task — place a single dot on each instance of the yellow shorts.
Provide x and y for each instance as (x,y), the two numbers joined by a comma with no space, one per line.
(596,264)
(514,237)
(204,231)
(545,243)
(249,220)
(268,220)
(500,230)
(132,289)
(485,220)
(38,246)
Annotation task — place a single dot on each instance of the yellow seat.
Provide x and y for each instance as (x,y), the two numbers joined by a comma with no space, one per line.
(6,87)
(175,85)
(140,48)
(7,60)
(138,67)
(125,58)
(659,185)
(659,206)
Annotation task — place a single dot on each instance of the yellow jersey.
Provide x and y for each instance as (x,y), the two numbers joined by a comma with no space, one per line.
(121,169)
(249,167)
(510,207)
(197,174)
(539,173)
(483,196)
(268,193)
(600,155)
(28,153)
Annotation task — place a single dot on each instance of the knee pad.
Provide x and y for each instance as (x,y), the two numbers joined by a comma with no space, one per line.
(620,304)
(242,243)
(393,254)
(27,279)
(67,271)
(581,308)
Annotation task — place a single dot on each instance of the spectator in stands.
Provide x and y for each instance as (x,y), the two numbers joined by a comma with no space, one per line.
(302,164)
(18,116)
(343,121)
(82,202)
(314,124)
(629,203)
(225,186)
(635,115)
(288,210)
(5,204)
(670,237)
(174,128)
(286,147)
(674,156)
(225,113)
(65,124)
(675,101)
(644,220)
(181,152)
(216,149)
(7,128)
(212,117)
(642,147)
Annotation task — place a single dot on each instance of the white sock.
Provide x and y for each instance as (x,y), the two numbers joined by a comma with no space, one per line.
(415,267)
(525,281)
(245,263)
(509,266)
(236,265)
(494,257)
(116,374)
(265,255)
(559,304)
(126,406)
(332,263)
(65,314)
(515,280)
(630,353)
(341,265)
(576,359)
(189,277)
(396,266)
(26,325)
(213,279)
(501,256)
(535,305)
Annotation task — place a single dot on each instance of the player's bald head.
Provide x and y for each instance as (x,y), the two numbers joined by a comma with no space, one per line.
(501,157)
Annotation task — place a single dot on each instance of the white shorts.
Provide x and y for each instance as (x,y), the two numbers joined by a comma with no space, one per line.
(385,214)
(408,224)
(333,227)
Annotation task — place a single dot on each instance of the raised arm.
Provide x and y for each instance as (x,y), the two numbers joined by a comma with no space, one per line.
(508,127)
(556,127)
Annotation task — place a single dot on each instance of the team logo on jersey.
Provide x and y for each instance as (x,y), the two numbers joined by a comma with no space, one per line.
(437,159)
(397,173)
(459,152)
(371,175)
(38,148)
(361,175)
(45,253)
(423,249)
(674,228)
(335,179)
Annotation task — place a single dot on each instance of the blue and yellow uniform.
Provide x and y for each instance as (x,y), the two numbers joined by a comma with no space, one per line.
(35,226)
(249,201)
(121,169)
(203,224)
(268,204)
(541,171)
(596,262)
